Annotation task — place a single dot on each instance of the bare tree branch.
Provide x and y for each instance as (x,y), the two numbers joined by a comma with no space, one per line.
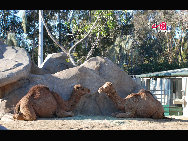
(63,48)
(92,48)
(70,50)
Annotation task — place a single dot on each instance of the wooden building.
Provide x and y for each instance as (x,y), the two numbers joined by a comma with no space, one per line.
(170,87)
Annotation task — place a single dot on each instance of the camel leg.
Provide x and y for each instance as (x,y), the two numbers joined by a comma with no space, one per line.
(125,115)
(114,114)
(68,114)
(17,108)
(28,112)
(61,114)
(17,114)
(158,115)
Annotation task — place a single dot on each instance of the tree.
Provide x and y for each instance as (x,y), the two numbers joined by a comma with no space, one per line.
(105,24)
(155,50)
(126,37)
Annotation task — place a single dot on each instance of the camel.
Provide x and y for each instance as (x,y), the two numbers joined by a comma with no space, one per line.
(41,102)
(135,105)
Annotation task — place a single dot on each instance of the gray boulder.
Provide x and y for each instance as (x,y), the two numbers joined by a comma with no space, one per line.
(36,70)
(15,64)
(55,62)
(109,71)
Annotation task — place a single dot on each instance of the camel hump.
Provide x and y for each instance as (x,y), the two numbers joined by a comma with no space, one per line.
(143,91)
(39,86)
(147,92)
(37,90)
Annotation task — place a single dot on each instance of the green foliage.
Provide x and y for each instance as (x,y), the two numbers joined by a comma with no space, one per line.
(126,37)
(10,22)
(154,50)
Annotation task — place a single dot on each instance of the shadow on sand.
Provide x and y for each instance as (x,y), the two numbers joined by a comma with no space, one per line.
(94,117)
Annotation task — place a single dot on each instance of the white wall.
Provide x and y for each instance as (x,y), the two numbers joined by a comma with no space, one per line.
(162,84)
(158,86)
(185,89)
(161,88)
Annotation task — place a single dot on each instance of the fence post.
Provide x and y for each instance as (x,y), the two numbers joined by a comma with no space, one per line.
(40,48)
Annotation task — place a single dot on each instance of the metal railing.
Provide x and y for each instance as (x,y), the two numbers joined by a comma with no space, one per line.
(164,98)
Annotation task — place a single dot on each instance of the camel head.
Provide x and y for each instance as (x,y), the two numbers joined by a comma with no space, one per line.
(80,90)
(106,88)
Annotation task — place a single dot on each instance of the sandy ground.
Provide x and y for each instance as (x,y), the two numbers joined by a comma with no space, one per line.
(96,123)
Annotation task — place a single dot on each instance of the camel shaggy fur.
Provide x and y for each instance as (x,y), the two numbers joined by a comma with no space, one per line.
(135,105)
(41,102)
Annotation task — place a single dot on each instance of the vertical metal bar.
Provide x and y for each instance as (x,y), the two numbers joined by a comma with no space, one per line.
(40,48)
(161,82)
(169,92)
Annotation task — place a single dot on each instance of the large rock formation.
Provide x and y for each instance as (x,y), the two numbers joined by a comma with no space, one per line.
(15,67)
(15,64)
(56,62)
(109,71)
(17,77)
(53,63)
(92,74)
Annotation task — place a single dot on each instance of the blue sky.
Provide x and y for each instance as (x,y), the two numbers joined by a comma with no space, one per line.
(20,13)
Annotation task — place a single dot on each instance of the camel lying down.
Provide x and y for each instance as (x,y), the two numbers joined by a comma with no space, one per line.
(135,105)
(41,102)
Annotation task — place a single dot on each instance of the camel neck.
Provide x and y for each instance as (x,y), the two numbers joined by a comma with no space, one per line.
(119,102)
(73,100)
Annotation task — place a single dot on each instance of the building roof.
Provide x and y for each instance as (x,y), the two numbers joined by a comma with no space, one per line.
(169,73)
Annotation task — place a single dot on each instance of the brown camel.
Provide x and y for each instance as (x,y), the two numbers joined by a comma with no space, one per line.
(41,102)
(135,105)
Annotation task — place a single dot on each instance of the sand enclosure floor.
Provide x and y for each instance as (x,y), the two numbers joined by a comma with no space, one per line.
(97,123)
